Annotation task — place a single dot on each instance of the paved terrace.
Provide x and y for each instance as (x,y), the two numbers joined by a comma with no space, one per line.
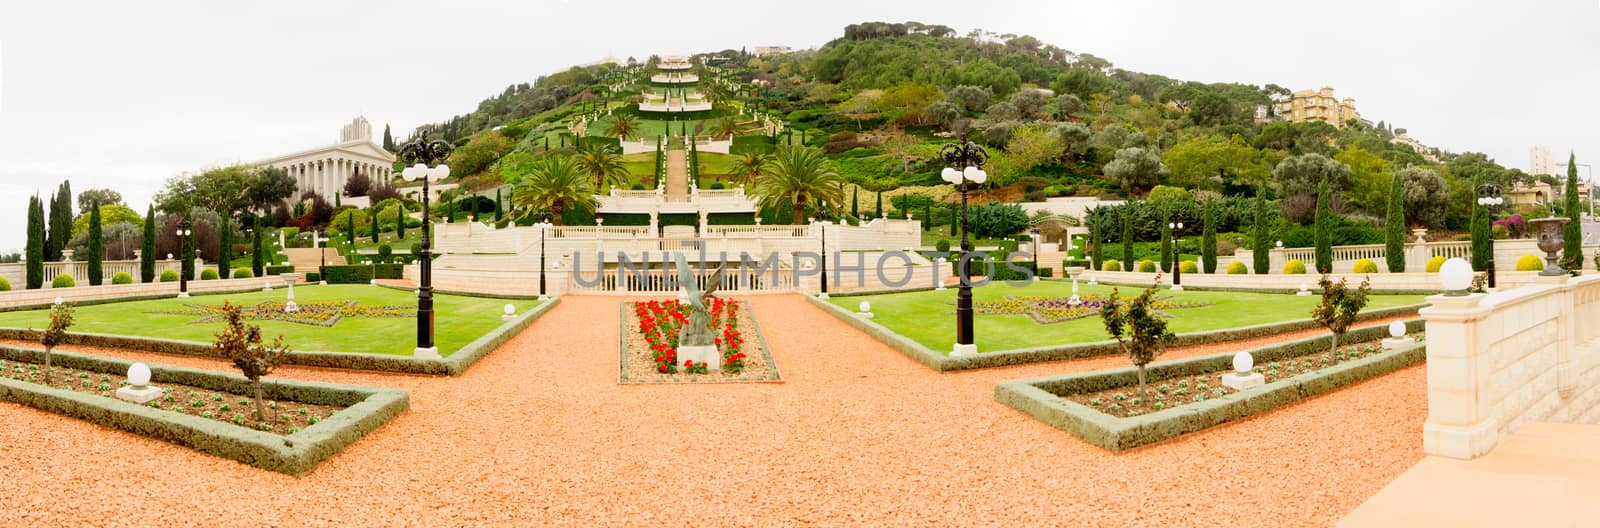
(539,433)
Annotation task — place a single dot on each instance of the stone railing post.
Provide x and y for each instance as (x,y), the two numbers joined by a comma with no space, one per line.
(1276,257)
(1417,256)
(1459,425)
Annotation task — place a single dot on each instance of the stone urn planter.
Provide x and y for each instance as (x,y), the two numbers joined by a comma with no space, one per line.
(1548,232)
(1074,271)
(1421,233)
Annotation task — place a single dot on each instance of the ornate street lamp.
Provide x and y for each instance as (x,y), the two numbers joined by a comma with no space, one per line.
(1177,263)
(822,226)
(544,227)
(428,165)
(964,168)
(1489,196)
(186,238)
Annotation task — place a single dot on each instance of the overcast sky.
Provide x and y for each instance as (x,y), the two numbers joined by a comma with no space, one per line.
(126,94)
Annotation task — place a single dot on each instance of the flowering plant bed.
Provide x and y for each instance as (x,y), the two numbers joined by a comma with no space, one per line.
(649,338)
(1067,402)
(1046,310)
(315,313)
(288,441)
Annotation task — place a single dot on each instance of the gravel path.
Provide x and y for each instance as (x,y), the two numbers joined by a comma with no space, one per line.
(539,433)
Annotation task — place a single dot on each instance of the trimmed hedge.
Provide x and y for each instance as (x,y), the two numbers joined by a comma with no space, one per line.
(1238,268)
(1530,262)
(1040,397)
(1188,266)
(452,365)
(388,271)
(1294,267)
(62,281)
(5,285)
(1147,266)
(348,274)
(169,276)
(1435,263)
(366,409)
(208,274)
(1365,266)
(313,277)
(278,270)
(243,273)
(1000,358)
(122,277)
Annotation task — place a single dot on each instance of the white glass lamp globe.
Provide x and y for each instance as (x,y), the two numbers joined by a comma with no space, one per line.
(511,309)
(950,175)
(1397,329)
(58,299)
(975,175)
(1243,362)
(439,173)
(1456,276)
(413,172)
(865,307)
(138,375)
(1280,243)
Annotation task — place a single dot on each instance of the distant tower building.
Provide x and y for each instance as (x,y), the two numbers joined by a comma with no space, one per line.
(1320,105)
(1539,161)
(358,129)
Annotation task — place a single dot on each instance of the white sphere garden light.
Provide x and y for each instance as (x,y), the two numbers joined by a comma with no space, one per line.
(1243,362)
(138,375)
(1397,329)
(1456,276)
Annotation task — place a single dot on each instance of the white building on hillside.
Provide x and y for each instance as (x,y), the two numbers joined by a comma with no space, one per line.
(1539,161)
(324,170)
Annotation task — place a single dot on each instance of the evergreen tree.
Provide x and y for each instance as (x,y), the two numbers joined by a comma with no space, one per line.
(927,215)
(399,222)
(1394,227)
(97,251)
(258,257)
(60,222)
(1166,243)
(374,227)
(147,247)
(877,211)
(1572,252)
(1127,236)
(1480,232)
(1208,239)
(225,249)
(36,243)
(498,211)
(1096,236)
(1260,247)
(1324,223)
(388,141)
(855,201)
(350,229)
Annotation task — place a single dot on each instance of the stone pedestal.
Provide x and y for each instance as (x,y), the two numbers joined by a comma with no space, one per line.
(426,353)
(1177,287)
(1242,382)
(707,355)
(960,350)
(1396,342)
(139,395)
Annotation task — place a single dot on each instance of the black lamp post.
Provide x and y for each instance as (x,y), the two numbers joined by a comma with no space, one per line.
(428,164)
(1489,196)
(186,238)
(964,168)
(823,227)
(1177,262)
(543,228)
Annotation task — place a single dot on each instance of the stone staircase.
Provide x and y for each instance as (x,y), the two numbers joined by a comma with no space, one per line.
(309,259)
(677,176)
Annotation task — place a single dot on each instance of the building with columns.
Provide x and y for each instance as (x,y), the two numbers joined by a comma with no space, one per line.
(325,170)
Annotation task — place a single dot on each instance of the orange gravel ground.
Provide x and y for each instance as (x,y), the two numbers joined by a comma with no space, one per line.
(539,433)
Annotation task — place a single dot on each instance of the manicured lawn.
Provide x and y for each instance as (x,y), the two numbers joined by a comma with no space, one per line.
(928,317)
(457,320)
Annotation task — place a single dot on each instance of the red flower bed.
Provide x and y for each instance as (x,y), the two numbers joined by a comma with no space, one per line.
(661,321)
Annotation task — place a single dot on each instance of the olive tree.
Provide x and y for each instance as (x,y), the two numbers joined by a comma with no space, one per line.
(1338,309)
(56,333)
(242,343)
(1136,169)
(1140,332)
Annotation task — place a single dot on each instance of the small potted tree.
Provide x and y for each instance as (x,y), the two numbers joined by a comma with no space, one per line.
(1338,309)
(242,343)
(1141,334)
(56,334)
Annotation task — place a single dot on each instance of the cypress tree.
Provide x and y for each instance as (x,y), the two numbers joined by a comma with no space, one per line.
(388,144)
(1166,243)
(855,200)
(1262,260)
(1324,223)
(1572,252)
(60,222)
(927,215)
(147,247)
(225,249)
(350,230)
(97,250)
(1394,227)
(36,243)
(498,210)
(1127,236)
(954,219)
(1096,236)
(374,227)
(1480,233)
(877,210)
(399,222)
(1208,239)
(258,260)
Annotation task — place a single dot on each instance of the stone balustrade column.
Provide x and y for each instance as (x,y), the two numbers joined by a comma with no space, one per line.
(1276,257)
(1458,424)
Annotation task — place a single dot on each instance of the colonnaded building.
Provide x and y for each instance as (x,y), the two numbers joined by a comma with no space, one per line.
(325,170)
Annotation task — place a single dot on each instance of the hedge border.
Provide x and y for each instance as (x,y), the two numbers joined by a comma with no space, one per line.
(452,365)
(1037,397)
(367,408)
(622,355)
(481,295)
(1314,289)
(129,298)
(1017,356)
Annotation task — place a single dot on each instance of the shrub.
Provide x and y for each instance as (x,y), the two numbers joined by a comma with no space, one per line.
(716,186)
(385,253)
(1111,265)
(169,276)
(942,245)
(416,248)
(278,270)
(1366,266)
(1434,263)
(62,281)
(313,277)
(208,274)
(1530,262)
(1045,273)
(1294,267)
(1188,266)
(243,273)
(122,277)
(348,274)
(1147,266)
(1238,268)
(5,285)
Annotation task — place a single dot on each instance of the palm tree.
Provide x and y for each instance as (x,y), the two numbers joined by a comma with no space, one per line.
(725,126)
(622,125)
(604,162)
(798,175)
(554,183)
(749,166)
